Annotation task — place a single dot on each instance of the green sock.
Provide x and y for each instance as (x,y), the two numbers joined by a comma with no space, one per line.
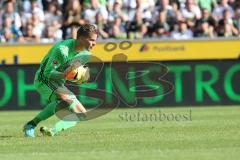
(67,121)
(47,112)
(63,125)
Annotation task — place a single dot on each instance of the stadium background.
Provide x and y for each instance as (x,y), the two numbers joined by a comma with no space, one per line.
(195,40)
(202,72)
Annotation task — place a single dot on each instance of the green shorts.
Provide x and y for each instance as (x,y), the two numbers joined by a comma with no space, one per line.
(46,88)
(51,90)
(45,91)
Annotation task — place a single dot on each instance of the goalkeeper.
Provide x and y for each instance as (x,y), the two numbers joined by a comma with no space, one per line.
(57,67)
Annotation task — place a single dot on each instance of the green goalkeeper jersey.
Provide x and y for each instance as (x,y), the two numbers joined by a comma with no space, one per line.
(58,59)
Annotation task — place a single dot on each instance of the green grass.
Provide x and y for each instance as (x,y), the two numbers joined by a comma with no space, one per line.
(213,133)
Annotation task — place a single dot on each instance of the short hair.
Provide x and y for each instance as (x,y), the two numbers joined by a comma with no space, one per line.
(86,29)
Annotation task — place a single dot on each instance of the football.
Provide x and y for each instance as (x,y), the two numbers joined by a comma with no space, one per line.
(78,75)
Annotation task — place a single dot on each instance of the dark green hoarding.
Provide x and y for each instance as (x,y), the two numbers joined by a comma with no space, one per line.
(134,84)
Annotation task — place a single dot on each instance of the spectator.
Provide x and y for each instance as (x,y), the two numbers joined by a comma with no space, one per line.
(17,5)
(206,4)
(71,31)
(129,8)
(10,12)
(227,19)
(87,3)
(73,13)
(236,19)
(136,29)
(116,12)
(90,13)
(233,3)
(53,13)
(146,7)
(48,35)
(9,32)
(29,37)
(191,11)
(163,5)
(226,25)
(27,8)
(58,33)
(118,30)
(218,11)
(37,27)
(34,10)
(37,10)
(133,19)
(179,17)
(7,36)
(206,16)
(46,3)
(71,17)
(228,31)
(203,29)
(161,27)
(52,33)
(182,32)
(103,27)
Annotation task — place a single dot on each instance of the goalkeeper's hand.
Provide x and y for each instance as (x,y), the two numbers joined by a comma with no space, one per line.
(70,73)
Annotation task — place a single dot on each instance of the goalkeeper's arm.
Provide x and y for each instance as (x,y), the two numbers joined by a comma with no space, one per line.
(68,74)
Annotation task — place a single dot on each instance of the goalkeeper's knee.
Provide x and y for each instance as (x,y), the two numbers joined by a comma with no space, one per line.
(70,110)
(72,104)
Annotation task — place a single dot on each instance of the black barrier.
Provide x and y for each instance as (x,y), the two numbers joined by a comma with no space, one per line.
(182,83)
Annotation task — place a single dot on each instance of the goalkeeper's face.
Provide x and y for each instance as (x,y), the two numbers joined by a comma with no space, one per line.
(89,42)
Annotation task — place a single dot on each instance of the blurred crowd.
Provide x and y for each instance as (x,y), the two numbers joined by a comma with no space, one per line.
(48,21)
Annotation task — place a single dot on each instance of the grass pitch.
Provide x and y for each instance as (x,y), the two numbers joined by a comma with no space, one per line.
(211,133)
